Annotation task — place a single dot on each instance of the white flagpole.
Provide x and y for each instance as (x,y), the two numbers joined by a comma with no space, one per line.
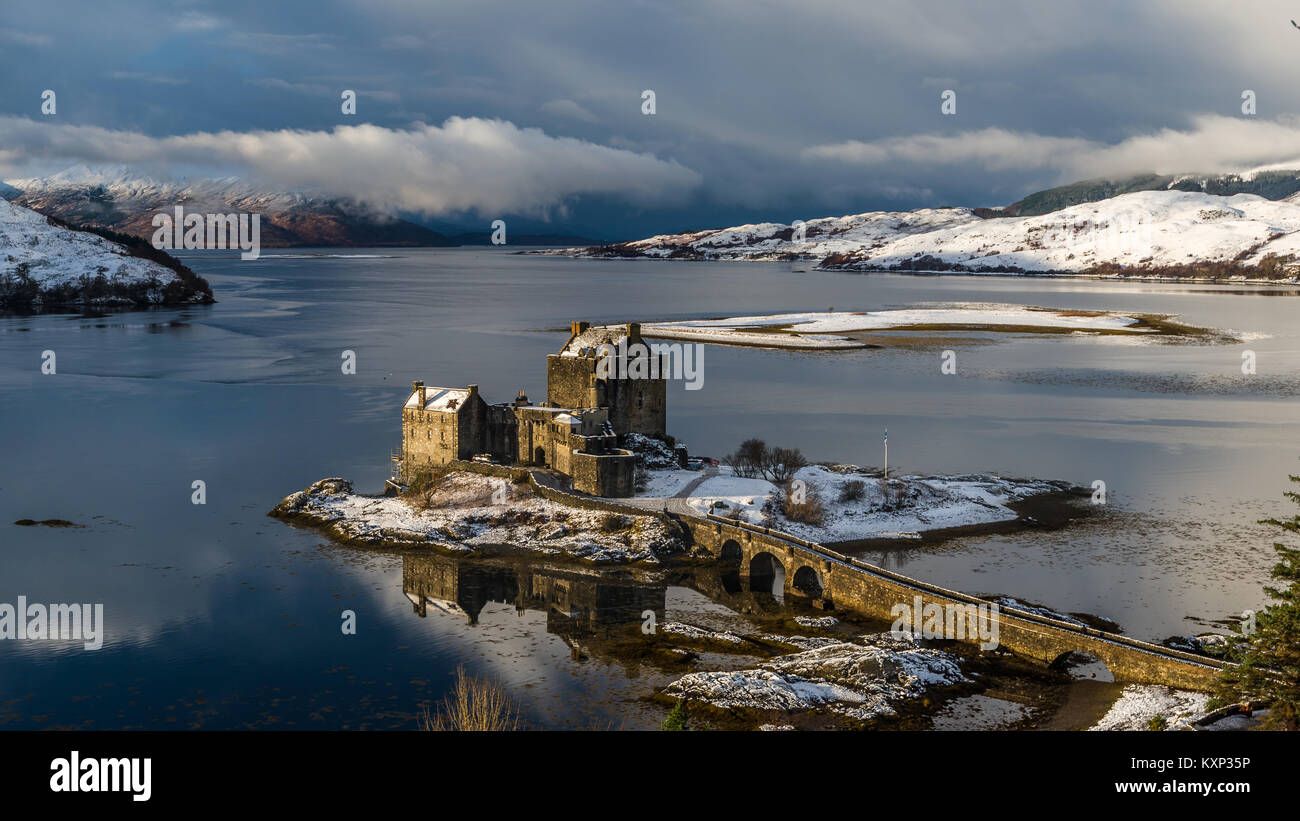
(886,454)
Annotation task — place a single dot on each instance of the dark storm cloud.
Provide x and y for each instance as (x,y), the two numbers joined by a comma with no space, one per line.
(782,109)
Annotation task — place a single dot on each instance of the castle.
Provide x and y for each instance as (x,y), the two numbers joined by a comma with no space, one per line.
(593,401)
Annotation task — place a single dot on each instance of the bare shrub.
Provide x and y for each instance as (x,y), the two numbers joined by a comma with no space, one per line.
(474,705)
(810,511)
(423,484)
(853,490)
(614,523)
(893,494)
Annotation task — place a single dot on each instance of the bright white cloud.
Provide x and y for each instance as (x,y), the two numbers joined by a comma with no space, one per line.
(1212,144)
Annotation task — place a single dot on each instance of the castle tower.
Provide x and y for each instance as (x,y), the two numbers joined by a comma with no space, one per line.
(635,396)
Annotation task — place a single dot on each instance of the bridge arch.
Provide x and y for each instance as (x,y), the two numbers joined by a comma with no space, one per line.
(731,552)
(808,582)
(767,575)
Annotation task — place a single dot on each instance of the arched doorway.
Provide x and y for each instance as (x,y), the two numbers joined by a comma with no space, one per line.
(539,456)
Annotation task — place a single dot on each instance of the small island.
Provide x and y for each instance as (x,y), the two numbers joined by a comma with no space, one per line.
(848,330)
(590,474)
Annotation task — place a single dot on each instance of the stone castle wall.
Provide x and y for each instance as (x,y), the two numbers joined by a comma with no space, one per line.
(638,406)
(609,474)
(571,382)
(430,438)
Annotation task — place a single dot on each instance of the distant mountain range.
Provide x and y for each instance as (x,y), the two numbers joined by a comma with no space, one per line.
(1153,227)
(121,200)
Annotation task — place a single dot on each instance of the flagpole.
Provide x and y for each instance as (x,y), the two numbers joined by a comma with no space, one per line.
(886,454)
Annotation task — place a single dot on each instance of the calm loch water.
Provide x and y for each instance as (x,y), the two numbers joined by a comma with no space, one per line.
(218,617)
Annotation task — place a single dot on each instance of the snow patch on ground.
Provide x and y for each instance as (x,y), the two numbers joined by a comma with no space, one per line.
(667,483)
(652,454)
(1140,703)
(802,642)
(693,633)
(861,680)
(464,516)
(817,621)
(911,504)
(979,712)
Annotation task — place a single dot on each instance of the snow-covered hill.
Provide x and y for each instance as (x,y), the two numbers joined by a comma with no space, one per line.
(1146,233)
(44,265)
(117,198)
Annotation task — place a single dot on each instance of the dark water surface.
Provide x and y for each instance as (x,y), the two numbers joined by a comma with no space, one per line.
(219,617)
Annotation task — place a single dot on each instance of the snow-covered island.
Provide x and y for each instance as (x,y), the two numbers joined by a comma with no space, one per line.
(1146,234)
(839,330)
(46,264)
(470,513)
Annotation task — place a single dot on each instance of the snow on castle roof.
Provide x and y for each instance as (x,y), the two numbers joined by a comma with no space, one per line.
(447,400)
(592,338)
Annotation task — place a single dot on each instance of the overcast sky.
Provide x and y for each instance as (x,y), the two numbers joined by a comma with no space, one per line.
(764,109)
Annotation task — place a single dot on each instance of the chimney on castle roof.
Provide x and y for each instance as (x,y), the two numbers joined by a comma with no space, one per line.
(578,327)
(419,390)
(473,390)
(633,332)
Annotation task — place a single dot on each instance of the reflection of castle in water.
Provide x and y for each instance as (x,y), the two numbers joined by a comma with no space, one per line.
(597,613)
(578,606)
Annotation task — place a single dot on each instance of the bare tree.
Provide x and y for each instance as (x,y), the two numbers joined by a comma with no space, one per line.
(781,464)
(749,459)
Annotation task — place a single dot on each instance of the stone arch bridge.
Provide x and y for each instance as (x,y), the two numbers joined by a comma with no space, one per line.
(765,559)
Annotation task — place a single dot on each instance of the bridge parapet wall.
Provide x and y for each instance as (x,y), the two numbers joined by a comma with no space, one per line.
(874,592)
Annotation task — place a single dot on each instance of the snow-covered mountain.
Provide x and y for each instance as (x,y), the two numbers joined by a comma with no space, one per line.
(117,198)
(46,265)
(1147,233)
